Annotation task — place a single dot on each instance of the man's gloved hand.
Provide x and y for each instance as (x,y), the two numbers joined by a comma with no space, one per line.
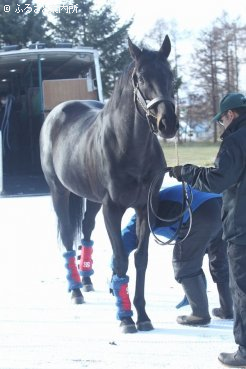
(176,172)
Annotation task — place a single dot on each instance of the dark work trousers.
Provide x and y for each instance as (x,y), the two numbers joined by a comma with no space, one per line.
(218,260)
(237,268)
(205,236)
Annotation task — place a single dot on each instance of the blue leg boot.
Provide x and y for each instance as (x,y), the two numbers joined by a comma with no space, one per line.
(73,277)
(123,303)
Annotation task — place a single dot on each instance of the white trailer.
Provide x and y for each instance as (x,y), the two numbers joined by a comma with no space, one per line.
(32,81)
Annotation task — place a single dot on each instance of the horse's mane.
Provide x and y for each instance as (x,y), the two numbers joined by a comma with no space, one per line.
(120,84)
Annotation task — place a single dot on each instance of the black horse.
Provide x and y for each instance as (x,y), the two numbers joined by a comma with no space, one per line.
(109,155)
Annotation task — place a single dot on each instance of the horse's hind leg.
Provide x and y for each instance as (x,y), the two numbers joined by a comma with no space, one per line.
(85,258)
(63,208)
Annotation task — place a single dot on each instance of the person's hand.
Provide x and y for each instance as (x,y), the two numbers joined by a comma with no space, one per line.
(176,172)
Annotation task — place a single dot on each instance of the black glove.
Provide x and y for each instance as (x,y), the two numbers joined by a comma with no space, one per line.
(176,172)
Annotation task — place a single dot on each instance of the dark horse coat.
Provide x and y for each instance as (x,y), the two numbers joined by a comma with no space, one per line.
(109,155)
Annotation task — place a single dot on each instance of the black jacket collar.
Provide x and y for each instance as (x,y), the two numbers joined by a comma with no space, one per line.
(234,126)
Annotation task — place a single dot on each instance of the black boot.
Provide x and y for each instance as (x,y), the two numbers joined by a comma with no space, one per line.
(225,311)
(234,360)
(195,290)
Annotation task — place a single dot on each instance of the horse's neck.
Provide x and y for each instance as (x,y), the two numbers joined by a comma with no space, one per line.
(127,136)
(127,120)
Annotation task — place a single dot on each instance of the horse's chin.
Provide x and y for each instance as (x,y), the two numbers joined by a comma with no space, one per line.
(166,136)
(167,130)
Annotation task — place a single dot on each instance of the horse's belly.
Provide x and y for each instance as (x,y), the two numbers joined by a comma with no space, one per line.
(80,183)
(130,195)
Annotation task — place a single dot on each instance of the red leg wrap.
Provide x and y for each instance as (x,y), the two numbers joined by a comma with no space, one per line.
(85,262)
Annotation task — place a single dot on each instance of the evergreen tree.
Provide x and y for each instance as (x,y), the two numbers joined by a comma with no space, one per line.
(21,22)
(36,27)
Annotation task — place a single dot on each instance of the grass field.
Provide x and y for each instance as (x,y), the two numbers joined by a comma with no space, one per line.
(198,153)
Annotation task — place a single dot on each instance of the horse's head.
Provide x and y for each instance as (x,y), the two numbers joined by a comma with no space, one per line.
(153,87)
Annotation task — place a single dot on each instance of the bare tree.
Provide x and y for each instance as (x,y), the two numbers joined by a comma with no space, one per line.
(216,62)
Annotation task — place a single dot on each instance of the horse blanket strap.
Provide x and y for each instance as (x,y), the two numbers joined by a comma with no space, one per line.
(85,258)
(120,291)
(73,276)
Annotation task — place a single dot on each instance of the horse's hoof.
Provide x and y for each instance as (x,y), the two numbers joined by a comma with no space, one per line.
(77,300)
(87,284)
(127,325)
(88,287)
(131,328)
(145,326)
(77,297)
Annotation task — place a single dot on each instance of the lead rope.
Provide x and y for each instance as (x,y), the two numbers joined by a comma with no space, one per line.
(176,148)
(187,200)
(186,205)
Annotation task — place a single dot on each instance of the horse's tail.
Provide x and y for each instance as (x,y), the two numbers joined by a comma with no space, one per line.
(76,213)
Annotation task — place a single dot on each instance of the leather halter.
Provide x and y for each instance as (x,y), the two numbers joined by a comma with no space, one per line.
(146,104)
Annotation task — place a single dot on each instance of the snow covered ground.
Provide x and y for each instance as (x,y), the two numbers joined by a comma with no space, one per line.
(41,329)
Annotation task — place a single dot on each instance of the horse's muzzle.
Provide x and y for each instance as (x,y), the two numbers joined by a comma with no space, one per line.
(168,125)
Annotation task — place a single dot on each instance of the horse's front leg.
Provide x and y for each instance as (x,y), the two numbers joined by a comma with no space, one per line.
(119,284)
(141,261)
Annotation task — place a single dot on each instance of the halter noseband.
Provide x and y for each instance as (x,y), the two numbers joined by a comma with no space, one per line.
(146,104)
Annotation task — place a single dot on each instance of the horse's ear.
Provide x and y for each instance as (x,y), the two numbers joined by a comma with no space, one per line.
(134,50)
(165,47)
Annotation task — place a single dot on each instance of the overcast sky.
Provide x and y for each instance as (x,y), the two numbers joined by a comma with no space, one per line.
(190,15)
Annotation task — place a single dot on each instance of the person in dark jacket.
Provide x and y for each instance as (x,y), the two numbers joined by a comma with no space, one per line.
(205,236)
(228,176)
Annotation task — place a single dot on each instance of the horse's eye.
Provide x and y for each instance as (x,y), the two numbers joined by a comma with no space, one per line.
(140,79)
